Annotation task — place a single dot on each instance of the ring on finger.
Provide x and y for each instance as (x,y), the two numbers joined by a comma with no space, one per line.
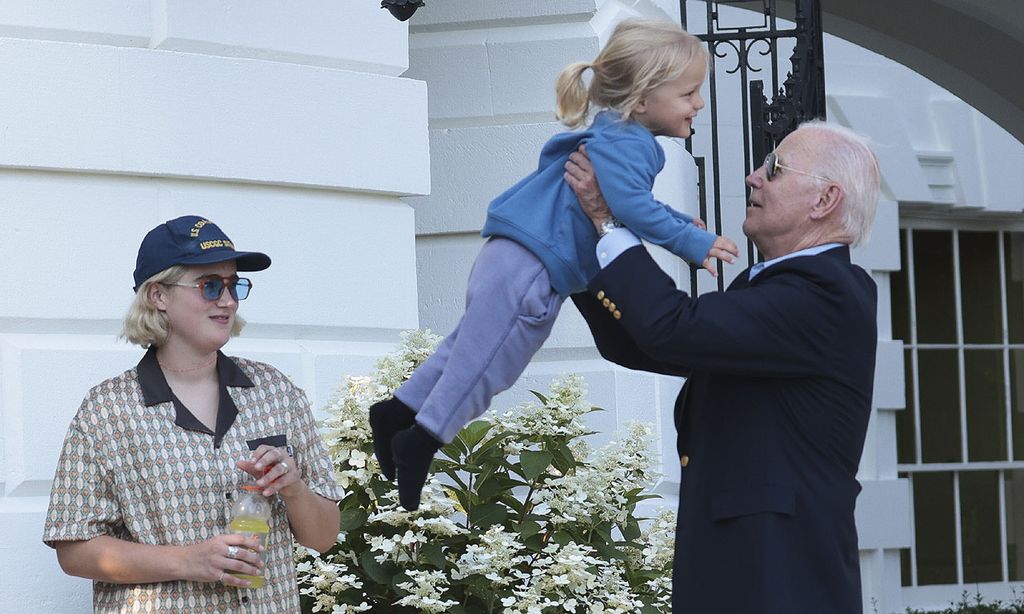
(232,552)
(220,578)
(284,466)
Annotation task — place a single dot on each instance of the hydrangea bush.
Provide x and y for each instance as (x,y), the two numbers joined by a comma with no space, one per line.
(519,514)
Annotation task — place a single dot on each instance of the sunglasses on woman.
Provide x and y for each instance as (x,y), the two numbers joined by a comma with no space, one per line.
(772,168)
(212,287)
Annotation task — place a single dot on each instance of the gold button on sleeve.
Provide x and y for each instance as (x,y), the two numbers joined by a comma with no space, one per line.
(606,302)
(617,315)
(684,460)
(600,294)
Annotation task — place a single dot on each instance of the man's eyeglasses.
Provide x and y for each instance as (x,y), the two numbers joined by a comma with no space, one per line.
(772,168)
(212,287)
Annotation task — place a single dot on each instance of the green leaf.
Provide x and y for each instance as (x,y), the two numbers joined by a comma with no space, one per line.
(543,399)
(631,530)
(535,543)
(650,609)
(353,518)
(495,485)
(561,538)
(529,528)
(608,551)
(376,571)
(563,459)
(474,432)
(487,514)
(456,450)
(434,554)
(534,463)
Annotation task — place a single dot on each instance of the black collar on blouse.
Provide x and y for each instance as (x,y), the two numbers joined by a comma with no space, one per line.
(155,390)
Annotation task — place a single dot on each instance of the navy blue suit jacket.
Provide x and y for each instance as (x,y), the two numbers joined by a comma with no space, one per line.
(772,421)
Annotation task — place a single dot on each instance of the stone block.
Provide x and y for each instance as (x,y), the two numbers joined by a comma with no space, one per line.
(462,12)
(458,75)
(471,166)
(109,22)
(350,35)
(325,247)
(162,113)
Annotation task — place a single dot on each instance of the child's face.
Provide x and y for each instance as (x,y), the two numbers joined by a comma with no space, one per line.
(670,108)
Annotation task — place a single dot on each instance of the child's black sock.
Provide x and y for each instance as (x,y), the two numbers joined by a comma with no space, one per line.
(387,418)
(414,449)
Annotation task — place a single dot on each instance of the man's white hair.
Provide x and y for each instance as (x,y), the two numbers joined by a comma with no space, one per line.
(846,157)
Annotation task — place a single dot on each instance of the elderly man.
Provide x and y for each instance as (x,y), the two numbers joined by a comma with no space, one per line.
(772,419)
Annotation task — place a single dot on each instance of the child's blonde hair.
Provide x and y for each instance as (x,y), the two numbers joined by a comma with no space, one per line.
(639,56)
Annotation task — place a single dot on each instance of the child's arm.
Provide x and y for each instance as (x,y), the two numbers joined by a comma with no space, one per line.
(625,169)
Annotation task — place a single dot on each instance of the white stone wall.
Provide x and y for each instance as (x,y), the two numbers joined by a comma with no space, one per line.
(285,123)
(490,69)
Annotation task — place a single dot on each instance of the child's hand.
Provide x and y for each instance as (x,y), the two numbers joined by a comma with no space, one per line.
(699,223)
(723,249)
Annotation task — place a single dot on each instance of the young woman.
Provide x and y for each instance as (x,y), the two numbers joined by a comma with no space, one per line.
(155,456)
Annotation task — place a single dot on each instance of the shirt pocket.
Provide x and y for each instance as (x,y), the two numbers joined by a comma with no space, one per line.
(276,441)
(753,499)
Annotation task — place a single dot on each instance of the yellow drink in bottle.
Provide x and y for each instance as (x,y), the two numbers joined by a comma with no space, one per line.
(250,515)
(254,527)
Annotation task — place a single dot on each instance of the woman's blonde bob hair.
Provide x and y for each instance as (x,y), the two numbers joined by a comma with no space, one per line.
(639,56)
(146,325)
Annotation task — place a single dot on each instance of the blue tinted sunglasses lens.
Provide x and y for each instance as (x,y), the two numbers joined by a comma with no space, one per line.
(213,288)
(240,289)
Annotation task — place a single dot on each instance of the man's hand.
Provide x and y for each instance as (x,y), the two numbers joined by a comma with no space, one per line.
(723,249)
(579,174)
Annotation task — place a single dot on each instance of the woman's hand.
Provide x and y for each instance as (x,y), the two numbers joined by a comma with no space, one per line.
(213,560)
(274,470)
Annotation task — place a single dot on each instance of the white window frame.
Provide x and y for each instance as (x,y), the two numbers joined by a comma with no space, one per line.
(942,595)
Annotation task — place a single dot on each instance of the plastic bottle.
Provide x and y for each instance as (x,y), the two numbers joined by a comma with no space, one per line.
(250,515)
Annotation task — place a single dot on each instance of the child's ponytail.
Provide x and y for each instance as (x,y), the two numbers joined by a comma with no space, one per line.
(639,56)
(572,98)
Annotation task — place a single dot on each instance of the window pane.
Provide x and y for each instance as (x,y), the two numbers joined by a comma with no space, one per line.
(905,571)
(933,286)
(1017,402)
(905,452)
(934,528)
(980,296)
(979,525)
(1015,524)
(1014,246)
(940,406)
(986,405)
(900,295)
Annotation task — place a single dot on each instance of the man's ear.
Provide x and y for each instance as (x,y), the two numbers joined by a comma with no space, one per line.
(828,203)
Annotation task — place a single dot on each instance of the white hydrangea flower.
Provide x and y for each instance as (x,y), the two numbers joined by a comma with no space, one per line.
(597,490)
(426,590)
(495,555)
(570,577)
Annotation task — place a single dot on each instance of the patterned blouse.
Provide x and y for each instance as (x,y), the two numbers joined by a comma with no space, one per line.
(138,466)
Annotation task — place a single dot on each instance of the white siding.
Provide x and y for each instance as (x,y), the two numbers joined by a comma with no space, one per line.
(286,125)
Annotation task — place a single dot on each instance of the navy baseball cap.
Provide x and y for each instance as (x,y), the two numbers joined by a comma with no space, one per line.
(190,239)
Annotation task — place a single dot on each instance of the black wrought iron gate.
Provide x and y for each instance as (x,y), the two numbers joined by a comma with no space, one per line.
(754,39)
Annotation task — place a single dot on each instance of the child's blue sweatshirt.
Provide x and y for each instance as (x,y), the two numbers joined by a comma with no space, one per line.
(542,214)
